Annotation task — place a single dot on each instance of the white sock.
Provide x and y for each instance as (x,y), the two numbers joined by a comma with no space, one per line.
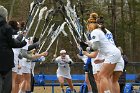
(72,91)
(90,92)
(108,91)
(20,91)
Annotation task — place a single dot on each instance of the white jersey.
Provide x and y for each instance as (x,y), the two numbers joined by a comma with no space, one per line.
(100,56)
(17,63)
(16,59)
(104,44)
(63,62)
(26,65)
(26,46)
(109,36)
(107,49)
(24,60)
(63,66)
(16,52)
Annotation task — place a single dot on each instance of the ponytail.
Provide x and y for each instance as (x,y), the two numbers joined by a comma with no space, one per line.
(100,21)
(103,28)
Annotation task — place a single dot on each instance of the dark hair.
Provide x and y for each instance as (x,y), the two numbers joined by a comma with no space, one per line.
(14,24)
(100,21)
(35,39)
(22,25)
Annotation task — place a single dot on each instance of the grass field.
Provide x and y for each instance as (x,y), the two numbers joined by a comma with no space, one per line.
(49,89)
(58,90)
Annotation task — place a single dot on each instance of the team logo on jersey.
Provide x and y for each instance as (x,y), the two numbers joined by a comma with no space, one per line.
(93,37)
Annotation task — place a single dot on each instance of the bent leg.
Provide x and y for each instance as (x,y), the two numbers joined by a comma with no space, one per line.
(88,83)
(61,81)
(115,83)
(97,82)
(104,76)
(70,83)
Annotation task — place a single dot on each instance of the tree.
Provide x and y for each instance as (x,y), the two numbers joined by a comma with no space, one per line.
(11,10)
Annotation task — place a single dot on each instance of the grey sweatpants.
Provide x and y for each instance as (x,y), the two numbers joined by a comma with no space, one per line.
(6,83)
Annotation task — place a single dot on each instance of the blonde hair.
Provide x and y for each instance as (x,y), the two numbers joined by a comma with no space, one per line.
(91,22)
(3,11)
(92,26)
(93,15)
(92,18)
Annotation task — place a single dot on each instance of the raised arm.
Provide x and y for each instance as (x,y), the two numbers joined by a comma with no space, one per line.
(91,55)
(13,43)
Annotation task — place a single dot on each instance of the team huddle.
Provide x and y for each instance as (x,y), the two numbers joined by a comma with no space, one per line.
(99,50)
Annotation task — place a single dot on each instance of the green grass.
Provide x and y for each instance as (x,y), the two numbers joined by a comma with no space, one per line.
(57,89)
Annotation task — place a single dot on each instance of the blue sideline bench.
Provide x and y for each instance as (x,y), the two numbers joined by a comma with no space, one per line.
(78,77)
(132,78)
(53,78)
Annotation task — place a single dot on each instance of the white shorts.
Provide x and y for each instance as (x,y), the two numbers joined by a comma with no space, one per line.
(26,69)
(17,70)
(113,58)
(94,67)
(98,66)
(120,65)
(64,73)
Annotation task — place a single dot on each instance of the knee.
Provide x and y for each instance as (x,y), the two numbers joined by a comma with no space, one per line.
(115,80)
(96,77)
(61,81)
(97,80)
(29,80)
(88,83)
(115,77)
(17,82)
(86,80)
(103,76)
(26,81)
